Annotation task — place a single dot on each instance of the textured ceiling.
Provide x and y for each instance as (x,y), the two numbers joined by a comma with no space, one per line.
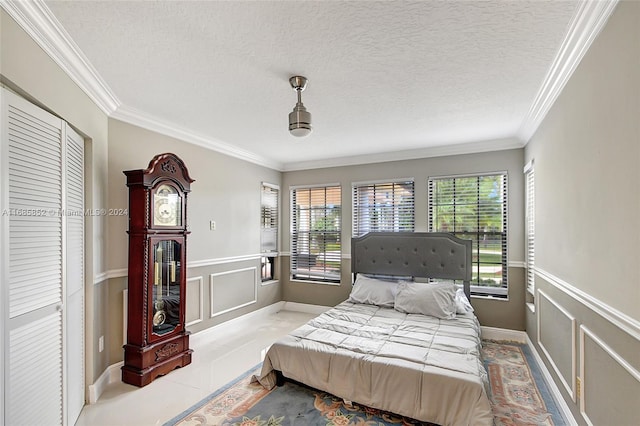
(383,76)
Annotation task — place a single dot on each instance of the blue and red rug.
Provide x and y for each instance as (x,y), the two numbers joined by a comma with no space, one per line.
(519,396)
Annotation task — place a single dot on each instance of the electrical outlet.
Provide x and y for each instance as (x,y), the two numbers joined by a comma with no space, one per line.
(101,344)
(212,225)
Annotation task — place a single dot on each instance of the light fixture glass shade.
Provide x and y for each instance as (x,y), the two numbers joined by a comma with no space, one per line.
(299,121)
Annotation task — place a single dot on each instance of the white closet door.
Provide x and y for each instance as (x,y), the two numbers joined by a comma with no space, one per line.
(32,263)
(74,273)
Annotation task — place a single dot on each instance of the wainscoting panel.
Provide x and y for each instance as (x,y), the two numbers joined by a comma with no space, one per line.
(611,383)
(607,350)
(195,301)
(233,289)
(557,339)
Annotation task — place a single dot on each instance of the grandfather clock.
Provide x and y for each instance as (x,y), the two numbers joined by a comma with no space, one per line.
(157,341)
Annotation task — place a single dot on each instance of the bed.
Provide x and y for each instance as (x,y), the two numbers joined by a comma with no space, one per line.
(381,354)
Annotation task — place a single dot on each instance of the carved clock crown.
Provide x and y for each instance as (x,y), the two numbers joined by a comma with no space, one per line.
(162,166)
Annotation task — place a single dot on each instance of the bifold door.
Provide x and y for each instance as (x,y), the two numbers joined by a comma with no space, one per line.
(42,257)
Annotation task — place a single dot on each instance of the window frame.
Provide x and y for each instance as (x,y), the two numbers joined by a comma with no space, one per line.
(357,207)
(269,256)
(327,274)
(476,288)
(530,225)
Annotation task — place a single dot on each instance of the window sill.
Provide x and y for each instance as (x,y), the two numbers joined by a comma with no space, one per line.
(496,298)
(314,282)
(531,307)
(270,282)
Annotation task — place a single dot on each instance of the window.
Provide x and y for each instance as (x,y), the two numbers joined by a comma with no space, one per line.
(315,233)
(475,208)
(385,206)
(269,230)
(530,224)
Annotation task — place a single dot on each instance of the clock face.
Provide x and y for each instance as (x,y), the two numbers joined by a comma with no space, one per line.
(166,207)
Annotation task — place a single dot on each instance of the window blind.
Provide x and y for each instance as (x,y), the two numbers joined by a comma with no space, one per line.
(475,208)
(530,225)
(269,219)
(269,195)
(315,233)
(387,206)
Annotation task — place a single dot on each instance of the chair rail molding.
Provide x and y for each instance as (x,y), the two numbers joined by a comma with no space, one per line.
(620,319)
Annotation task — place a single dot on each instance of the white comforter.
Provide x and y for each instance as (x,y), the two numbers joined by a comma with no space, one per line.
(413,365)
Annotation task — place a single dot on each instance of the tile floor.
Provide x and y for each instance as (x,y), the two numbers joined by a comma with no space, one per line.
(219,357)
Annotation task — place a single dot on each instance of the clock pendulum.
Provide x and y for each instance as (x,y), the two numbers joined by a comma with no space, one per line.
(159,316)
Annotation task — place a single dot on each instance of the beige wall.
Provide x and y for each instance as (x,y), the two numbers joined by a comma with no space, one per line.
(587,207)
(221,264)
(491,312)
(586,155)
(28,70)
(226,190)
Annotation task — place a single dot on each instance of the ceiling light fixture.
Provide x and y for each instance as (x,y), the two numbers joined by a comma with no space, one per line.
(299,118)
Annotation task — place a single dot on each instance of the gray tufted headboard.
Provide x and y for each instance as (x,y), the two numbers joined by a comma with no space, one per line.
(415,254)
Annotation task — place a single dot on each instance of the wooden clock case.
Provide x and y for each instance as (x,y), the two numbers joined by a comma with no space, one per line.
(154,349)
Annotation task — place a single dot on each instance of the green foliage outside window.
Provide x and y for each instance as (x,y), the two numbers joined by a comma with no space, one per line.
(474,208)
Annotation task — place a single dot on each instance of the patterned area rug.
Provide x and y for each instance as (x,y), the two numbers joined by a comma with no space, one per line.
(519,396)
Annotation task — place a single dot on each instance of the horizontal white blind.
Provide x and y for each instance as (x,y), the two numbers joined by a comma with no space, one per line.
(379,207)
(35,221)
(475,208)
(35,373)
(269,219)
(530,224)
(315,233)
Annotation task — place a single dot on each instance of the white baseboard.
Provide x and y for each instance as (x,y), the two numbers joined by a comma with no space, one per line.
(251,317)
(502,334)
(111,375)
(551,384)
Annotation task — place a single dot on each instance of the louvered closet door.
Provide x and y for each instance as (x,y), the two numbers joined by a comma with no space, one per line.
(32,263)
(74,273)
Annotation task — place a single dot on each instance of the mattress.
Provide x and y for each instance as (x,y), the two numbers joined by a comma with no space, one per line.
(417,366)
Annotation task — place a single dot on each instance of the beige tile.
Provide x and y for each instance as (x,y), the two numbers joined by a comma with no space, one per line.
(218,358)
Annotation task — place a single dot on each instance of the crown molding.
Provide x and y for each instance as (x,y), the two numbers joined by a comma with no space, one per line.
(590,18)
(40,23)
(435,151)
(35,18)
(149,122)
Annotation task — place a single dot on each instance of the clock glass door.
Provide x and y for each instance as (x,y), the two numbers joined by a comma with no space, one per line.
(166,286)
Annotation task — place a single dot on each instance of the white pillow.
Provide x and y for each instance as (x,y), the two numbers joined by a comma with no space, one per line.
(435,299)
(462,303)
(373,292)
